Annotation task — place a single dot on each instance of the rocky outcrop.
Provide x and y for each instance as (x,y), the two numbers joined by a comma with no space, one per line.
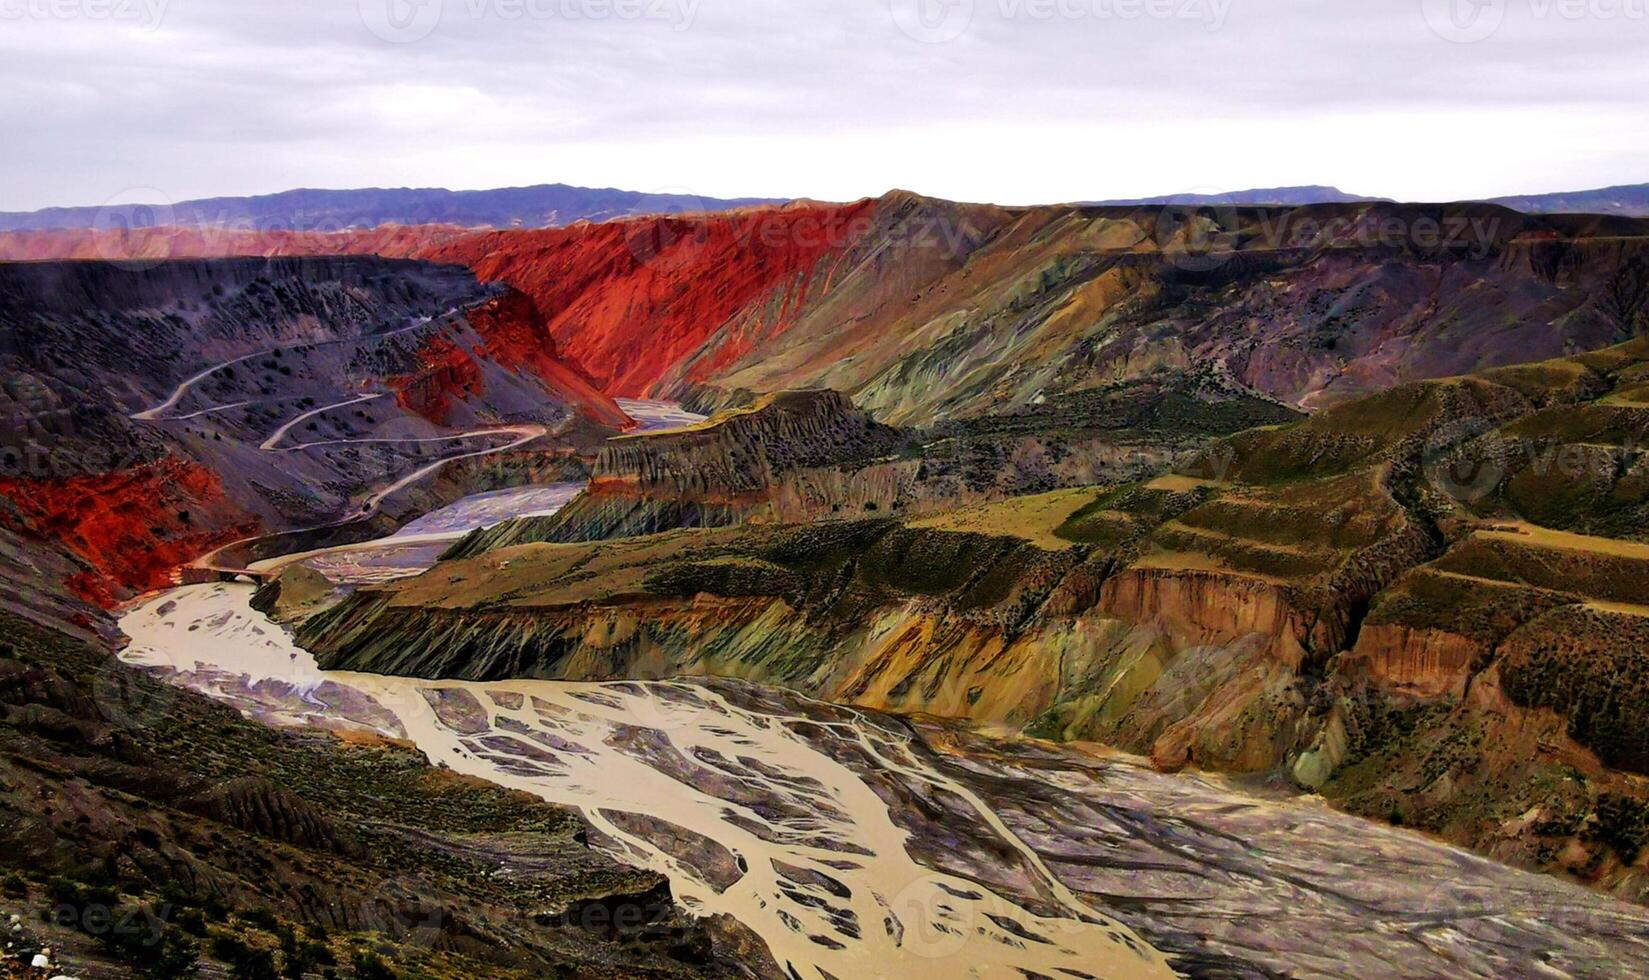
(446,373)
(131,528)
(731,469)
(1209,608)
(1422,663)
(745,451)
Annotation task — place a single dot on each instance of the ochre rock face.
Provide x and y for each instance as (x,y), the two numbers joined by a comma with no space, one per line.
(132,527)
(1205,608)
(1420,662)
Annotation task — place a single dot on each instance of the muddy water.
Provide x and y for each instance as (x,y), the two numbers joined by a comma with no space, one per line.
(656,416)
(859,845)
(737,806)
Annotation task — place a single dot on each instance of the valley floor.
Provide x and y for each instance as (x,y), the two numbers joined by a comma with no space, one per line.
(857,844)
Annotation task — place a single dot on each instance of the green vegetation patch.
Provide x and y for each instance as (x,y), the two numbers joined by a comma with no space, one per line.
(1427,600)
(1592,667)
(1601,424)
(1125,513)
(1597,575)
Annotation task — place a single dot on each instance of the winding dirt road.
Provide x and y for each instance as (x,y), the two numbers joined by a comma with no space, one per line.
(370,505)
(269,444)
(158,412)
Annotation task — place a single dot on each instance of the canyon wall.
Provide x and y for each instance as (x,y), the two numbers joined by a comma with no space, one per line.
(153,412)
(924,310)
(1340,608)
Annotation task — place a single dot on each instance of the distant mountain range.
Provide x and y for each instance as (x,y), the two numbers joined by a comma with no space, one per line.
(541,206)
(1627,199)
(1630,200)
(559,205)
(1289,196)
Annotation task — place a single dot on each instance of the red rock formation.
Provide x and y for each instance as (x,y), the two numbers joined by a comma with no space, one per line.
(133,527)
(518,339)
(447,373)
(628,300)
(922,309)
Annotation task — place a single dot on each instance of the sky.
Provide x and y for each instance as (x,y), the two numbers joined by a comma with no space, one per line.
(1010,101)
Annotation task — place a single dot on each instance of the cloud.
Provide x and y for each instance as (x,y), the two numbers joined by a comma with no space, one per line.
(1018,101)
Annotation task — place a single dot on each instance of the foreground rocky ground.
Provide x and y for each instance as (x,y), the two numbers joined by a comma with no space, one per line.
(144,828)
(862,844)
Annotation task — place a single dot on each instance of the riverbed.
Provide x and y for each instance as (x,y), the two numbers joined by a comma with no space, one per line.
(861,845)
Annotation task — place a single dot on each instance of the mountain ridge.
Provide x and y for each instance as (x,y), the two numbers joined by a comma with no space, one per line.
(922,309)
(325,209)
(556,205)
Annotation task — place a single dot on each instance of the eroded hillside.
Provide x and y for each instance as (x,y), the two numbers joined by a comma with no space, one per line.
(799,456)
(152,413)
(1356,600)
(210,837)
(924,310)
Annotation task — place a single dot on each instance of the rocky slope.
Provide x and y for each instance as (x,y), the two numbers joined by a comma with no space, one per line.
(1329,599)
(1309,305)
(729,470)
(153,413)
(144,829)
(793,457)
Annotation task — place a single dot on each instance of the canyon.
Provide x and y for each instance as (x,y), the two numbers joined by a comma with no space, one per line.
(922,309)
(863,534)
(323,378)
(861,844)
(1321,599)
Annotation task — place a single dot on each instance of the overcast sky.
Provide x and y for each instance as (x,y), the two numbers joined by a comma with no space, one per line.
(1013,101)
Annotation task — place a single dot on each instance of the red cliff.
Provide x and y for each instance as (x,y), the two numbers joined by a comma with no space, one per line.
(132,527)
(629,300)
